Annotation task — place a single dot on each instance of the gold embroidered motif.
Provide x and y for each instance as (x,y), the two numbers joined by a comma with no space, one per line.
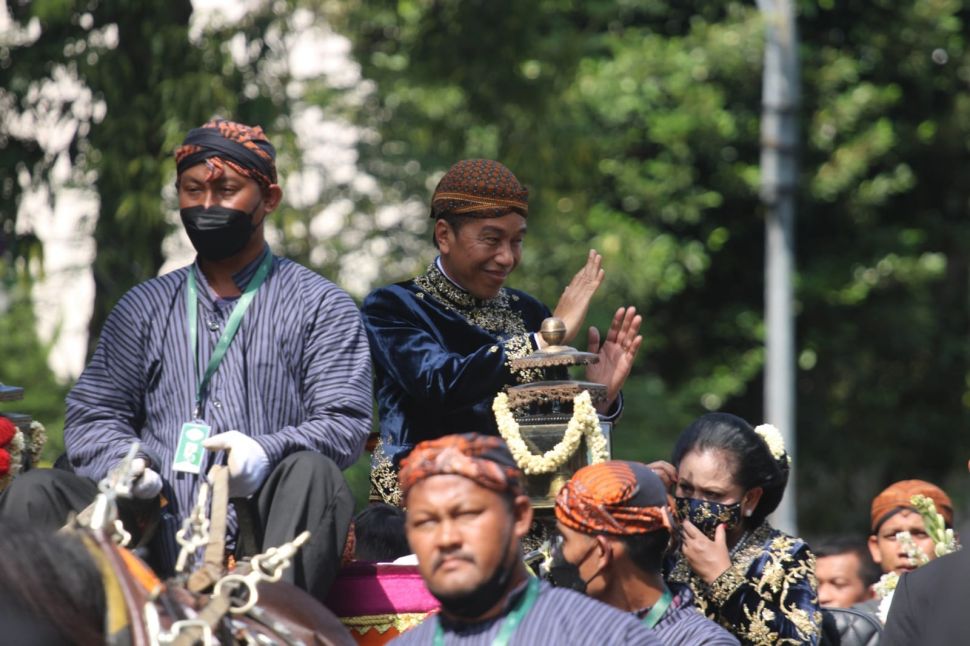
(704,513)
(383,623)
(726,584)
(806,625)
(520,346)
(384,486)
(492,315)
(759,632)
(782,572)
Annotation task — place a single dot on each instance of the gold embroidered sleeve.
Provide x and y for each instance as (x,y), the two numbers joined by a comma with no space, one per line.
(384,486)
(516,347)
(726,585)
(777,602)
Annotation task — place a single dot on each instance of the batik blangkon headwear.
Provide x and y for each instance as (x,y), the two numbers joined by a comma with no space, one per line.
(479,188)
(899,496)
(483,459)
(615,497)
(221,143)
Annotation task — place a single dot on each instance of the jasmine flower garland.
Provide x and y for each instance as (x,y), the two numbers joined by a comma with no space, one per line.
(584,423)
(38,438)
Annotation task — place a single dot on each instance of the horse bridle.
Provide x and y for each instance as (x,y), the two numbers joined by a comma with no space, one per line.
(200,602)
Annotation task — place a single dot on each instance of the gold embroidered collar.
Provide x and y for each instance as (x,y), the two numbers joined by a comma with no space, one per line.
(492,314)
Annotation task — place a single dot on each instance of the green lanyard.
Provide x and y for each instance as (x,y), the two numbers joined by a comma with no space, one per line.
(658,609)
(511,622)
(235,318)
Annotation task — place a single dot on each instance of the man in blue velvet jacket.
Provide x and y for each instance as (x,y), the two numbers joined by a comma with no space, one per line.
(442,342)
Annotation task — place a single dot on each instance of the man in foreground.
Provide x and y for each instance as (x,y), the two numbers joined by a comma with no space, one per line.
(442,343)
(615,527)
(466,515)
(241,358)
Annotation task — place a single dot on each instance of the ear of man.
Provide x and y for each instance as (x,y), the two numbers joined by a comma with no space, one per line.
(874,550)
(522,515)
(270,198)
(444,235)
(608,549)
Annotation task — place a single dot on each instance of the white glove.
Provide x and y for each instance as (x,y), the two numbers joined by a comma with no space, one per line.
(146,483)
(248,464)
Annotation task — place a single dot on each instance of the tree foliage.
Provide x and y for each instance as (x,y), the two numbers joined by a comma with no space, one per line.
(24,364)
(149,84)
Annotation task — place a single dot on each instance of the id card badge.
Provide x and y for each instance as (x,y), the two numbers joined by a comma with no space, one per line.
(189,453)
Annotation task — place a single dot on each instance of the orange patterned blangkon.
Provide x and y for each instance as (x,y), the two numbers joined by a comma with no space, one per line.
(615,497)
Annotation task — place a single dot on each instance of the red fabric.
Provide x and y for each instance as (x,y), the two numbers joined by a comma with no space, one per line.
(374,637)
(7,431)
(4,462)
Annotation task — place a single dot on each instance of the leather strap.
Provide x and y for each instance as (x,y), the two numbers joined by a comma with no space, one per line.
(213,563)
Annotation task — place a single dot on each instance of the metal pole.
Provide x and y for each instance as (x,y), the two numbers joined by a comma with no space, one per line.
(779,170)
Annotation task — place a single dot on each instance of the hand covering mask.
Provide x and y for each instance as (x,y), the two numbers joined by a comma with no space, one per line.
(217,232)
(706,515)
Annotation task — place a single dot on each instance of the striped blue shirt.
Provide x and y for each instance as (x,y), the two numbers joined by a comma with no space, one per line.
(683,624)
(296,377)
(559,617)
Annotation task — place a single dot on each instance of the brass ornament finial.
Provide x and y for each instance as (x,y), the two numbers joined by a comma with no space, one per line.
(553,331)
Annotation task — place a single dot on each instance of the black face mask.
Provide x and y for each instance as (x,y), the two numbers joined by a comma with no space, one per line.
(218,232)
(564,574)
(707,515)
(475,603)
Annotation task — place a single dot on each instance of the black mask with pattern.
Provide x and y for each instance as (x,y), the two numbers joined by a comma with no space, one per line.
(706,515)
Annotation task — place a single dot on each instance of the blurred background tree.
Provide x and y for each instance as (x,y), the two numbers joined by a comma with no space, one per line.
(635,126)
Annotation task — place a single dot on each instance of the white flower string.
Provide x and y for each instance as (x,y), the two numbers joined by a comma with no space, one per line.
(916,556)
(772,437)
(944,540)
(583,423)
(16,450)
(38,438)
(884,589)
